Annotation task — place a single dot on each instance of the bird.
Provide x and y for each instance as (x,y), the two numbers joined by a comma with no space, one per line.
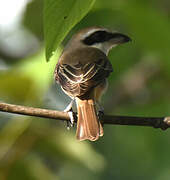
(82,71)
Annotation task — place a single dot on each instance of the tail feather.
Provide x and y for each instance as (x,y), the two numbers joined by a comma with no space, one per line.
(88,125)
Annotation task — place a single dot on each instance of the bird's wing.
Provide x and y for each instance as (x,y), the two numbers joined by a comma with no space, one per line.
(78,79)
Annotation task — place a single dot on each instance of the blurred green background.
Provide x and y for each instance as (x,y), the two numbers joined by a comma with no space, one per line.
(35,148)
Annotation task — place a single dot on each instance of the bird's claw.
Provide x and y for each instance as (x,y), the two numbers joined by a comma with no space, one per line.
(69,110)
(69,107)
(100,110)
(70,113)
(167,121)
(70,123)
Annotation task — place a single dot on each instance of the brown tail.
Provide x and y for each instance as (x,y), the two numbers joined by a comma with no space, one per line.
(88,125)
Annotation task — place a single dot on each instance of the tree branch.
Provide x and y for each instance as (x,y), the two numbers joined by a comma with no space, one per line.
(156,122)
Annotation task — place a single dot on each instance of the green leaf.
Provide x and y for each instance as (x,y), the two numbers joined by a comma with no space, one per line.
(59,17)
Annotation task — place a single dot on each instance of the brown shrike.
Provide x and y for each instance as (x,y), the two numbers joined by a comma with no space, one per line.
(82,72)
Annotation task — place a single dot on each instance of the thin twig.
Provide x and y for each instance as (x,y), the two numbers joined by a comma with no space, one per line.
(30,111)
(156,122)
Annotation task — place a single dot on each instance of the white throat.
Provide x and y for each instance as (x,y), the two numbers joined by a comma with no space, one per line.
(104,47)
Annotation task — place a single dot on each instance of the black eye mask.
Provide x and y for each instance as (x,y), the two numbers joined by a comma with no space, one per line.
(98,36)
(102,36)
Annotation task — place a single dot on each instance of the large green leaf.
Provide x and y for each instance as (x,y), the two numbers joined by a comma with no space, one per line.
(59,17)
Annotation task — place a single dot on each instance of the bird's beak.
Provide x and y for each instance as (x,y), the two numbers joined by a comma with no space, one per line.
(119,38)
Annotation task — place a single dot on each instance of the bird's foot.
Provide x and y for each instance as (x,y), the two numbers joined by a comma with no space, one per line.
(69,110)
(167,121)
(100,110)
(69,107)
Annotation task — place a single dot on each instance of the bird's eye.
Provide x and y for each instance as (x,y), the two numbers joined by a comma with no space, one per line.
(98,37)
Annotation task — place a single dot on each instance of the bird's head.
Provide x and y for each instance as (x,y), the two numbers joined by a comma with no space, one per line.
(100,38)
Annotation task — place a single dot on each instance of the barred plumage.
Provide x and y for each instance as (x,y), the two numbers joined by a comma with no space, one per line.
(78,79)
